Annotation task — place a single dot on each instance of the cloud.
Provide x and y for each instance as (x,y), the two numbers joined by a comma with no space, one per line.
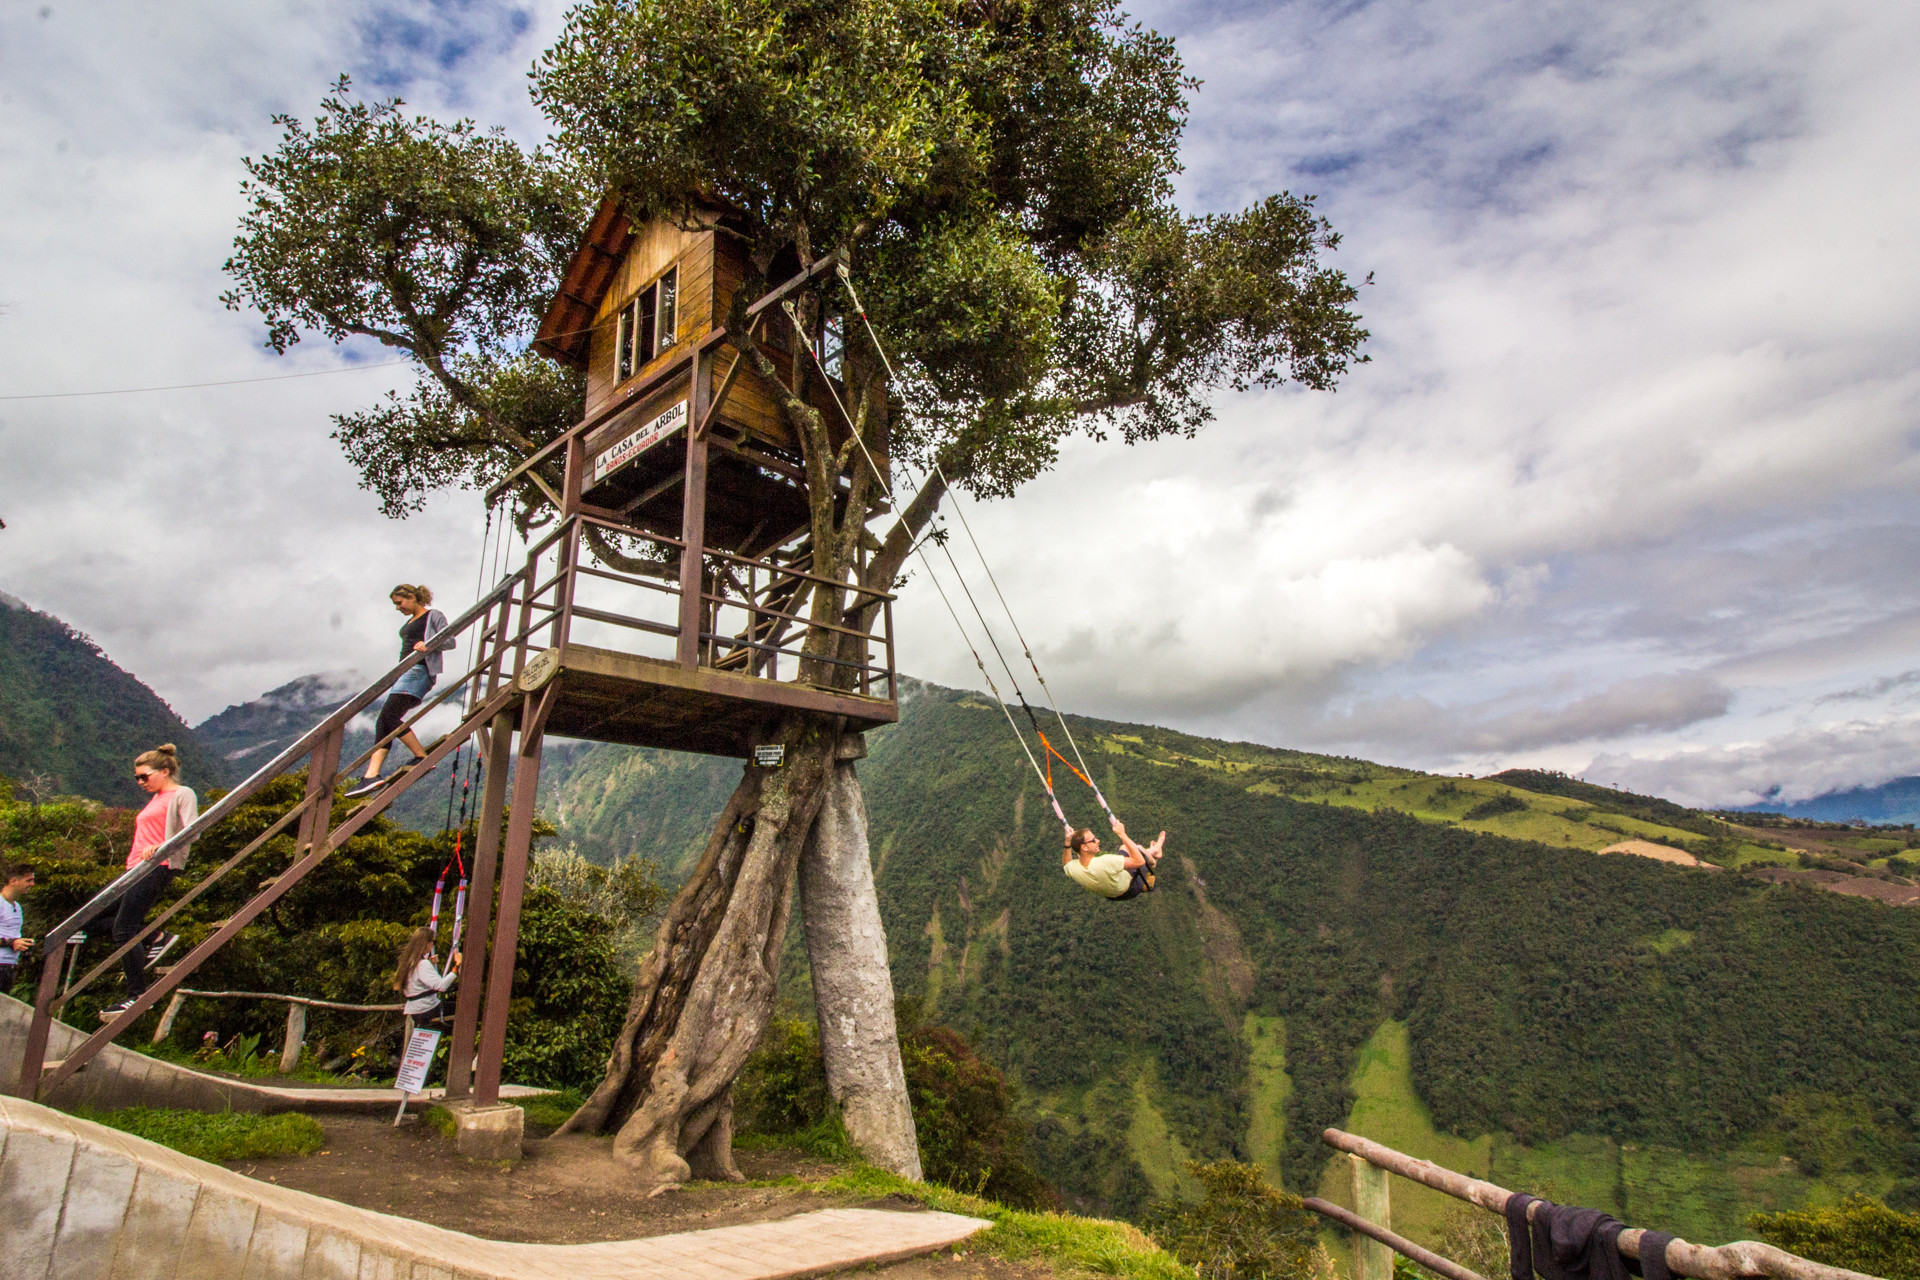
(1784,769)
(1645,704)
(1631,471)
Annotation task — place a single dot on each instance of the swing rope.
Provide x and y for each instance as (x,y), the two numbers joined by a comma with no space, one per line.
(1084,772)
(1044,775)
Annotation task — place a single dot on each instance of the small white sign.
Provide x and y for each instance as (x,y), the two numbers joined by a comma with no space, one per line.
(770,757)
(610,460)
(419,1057)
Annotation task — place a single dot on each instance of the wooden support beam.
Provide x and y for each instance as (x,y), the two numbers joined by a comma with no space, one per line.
(296,1037)
(513,887)
(693,536)
(473,946)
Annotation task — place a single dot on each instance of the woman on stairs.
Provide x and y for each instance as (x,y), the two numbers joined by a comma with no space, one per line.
(172,808)
(417,635)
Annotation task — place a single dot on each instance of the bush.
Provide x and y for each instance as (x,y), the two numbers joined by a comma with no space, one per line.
(1505,802)
(965,1111)
(1242,1229)
(1861,1235)
(217,1137)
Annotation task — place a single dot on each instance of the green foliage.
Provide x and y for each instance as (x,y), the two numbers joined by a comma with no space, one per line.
(216,1136)
(1242,1229)
(1507,960)
(965,1112)
(440,240)
(441,1121)
(71,721)
(1860,1235)
(783,1087)
(1548,782)
(627,893)
(1002,178)
(1505,802)
(551,1110)
(335,936)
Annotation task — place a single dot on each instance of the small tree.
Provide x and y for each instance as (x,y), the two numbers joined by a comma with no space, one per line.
(1242,1229)
(1860,1235)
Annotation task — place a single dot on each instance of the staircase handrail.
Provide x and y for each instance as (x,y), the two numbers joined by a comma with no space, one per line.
(260,777)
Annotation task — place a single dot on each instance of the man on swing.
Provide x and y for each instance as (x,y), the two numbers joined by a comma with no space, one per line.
(1113,876)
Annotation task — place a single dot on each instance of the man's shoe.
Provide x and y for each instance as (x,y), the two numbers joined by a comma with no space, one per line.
(159,946)
(113,1011)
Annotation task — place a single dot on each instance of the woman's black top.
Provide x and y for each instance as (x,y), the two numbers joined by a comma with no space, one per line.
(412,632)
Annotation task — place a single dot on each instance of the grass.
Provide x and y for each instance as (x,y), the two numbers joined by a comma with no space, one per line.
(1074,1244)
(1269,1087)
(552,1109)
(216,1136)
(247,1062)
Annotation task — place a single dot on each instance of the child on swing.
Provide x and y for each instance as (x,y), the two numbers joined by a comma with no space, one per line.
(419,979)
(1114,876)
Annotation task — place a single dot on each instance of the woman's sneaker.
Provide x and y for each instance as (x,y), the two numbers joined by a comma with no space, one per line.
(366,788)
(159,946)
(113,1011)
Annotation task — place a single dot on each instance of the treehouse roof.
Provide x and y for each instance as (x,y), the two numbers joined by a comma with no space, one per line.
(567,327)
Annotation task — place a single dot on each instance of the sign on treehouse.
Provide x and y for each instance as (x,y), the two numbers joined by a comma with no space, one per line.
(643,438)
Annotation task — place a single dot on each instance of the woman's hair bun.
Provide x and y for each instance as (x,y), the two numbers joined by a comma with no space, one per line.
(168,748)
(165,757)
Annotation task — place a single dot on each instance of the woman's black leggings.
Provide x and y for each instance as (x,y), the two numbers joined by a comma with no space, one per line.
(125,919)
(393,712)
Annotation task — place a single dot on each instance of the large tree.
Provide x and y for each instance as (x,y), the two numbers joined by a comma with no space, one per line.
(998,176)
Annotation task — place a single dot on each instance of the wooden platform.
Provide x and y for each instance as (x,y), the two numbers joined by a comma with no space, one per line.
(644,702)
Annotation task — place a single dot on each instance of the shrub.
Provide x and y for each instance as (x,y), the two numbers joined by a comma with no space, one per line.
(783,1087)
(1242,1229)
(1861,1235)
(1505,802)
(970,1135)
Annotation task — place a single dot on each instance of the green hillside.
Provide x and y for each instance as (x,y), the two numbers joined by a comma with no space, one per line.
(69,714)
(1442,963)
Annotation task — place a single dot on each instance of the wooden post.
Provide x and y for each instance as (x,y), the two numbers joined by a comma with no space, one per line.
(513,887)
(576,474)
(165,1028)
(321,766)
(296,1036)
(693,528)
(1371,1259)
(35,1053)
(473,946)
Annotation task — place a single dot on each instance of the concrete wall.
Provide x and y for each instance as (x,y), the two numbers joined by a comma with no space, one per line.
(80,1200)
(122,1078)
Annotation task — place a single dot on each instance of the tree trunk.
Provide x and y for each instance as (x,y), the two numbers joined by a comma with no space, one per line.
(706,990)
(852,988)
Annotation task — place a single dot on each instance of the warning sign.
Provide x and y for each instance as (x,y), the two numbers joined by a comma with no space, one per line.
(419,1057)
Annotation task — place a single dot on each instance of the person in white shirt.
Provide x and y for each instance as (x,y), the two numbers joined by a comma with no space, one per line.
(18,879)
(417,978)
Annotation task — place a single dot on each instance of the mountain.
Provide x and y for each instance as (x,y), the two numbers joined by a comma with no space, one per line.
(68,713)
(248,733)
(1889,803)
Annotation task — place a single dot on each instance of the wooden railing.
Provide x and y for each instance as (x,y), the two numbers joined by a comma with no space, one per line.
(296,1038)
(1372,1162)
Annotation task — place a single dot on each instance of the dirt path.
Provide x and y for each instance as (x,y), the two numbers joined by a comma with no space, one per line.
(565,1191)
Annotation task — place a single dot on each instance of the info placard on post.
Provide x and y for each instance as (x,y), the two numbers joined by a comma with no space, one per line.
(770,757)
(417,1061)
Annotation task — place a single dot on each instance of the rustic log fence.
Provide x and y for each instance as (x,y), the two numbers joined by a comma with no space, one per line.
(1372,1162)
(297,1007)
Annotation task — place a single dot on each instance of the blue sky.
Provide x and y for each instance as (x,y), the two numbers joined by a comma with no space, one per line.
(1627,489)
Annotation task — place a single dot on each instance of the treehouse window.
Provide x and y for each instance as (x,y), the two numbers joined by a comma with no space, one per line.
(833,347)
(648,323)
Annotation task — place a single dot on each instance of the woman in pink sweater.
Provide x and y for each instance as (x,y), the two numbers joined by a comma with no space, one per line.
(171,810)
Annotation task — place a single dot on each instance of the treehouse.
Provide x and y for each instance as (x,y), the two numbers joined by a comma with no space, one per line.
(670,605)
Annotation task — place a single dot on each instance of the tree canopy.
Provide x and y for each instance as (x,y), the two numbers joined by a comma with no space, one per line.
(998,174)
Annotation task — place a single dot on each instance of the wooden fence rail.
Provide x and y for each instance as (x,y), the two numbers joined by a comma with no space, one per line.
(1724,1262)
(297,1007)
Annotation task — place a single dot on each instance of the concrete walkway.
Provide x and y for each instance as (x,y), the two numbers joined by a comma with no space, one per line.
(81,1200)
(120,1077)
